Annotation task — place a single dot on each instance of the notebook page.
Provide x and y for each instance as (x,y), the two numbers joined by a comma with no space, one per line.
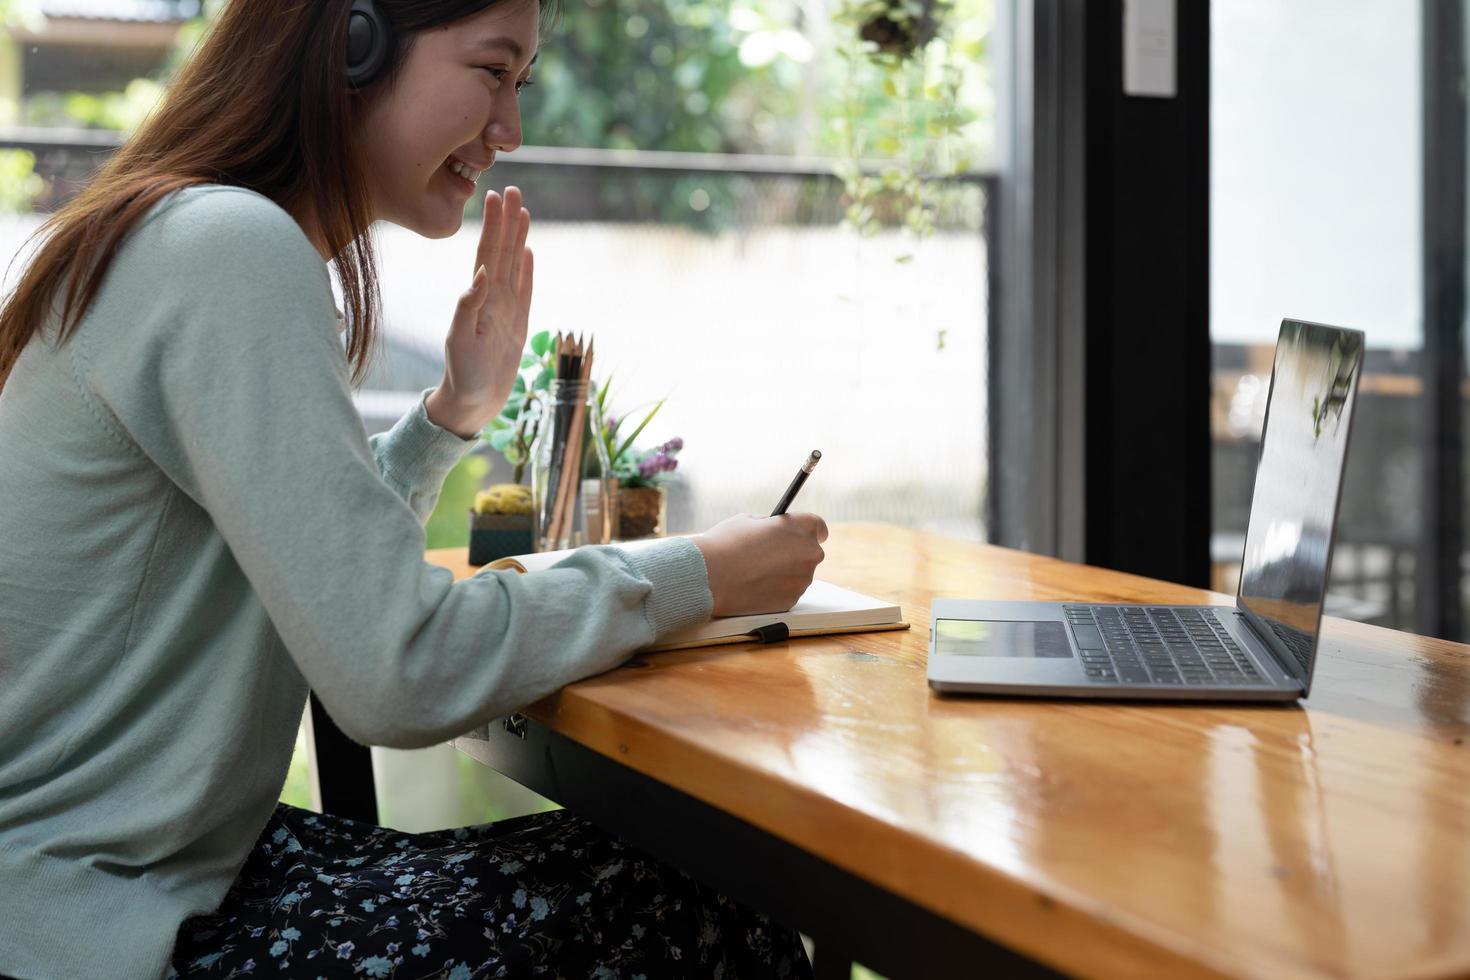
(822,606)
(545,559)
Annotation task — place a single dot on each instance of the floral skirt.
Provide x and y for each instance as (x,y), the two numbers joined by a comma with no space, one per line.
(548,895)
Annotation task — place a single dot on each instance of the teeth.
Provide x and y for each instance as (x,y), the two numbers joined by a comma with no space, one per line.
(464,171)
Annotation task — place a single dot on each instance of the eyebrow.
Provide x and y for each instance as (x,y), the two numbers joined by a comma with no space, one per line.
(510,44)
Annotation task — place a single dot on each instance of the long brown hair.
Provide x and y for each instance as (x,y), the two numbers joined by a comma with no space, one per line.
(262,104)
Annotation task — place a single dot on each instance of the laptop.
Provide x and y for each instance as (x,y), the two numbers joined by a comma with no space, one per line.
(1261,649)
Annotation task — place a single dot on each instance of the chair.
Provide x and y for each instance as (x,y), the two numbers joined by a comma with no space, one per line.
(344,769)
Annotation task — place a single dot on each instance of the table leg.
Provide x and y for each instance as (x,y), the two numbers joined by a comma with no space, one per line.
(827,964)
(344,769)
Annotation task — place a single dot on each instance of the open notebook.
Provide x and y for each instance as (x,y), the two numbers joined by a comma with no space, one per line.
(823,608)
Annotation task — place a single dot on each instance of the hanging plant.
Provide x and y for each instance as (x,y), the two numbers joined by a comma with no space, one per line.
(898,28)
(912,77)
(904,106)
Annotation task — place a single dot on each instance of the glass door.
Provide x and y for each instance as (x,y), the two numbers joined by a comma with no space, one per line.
(1317,182)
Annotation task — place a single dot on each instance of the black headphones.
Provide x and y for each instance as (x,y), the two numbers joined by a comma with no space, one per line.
(369,42)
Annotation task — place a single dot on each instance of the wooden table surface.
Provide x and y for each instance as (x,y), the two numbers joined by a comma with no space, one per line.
(1106,839)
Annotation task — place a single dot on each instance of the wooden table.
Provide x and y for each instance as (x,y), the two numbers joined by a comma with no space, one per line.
(933,836)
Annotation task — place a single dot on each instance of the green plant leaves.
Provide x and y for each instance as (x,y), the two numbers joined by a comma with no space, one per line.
(636,432)
(513,430)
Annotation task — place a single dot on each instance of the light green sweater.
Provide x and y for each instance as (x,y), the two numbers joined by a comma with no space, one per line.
(194,528)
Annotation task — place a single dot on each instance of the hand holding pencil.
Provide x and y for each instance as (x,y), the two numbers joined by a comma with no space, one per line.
(764,564)
(761,564)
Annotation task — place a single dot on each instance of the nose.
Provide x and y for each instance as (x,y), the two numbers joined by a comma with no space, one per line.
(503,131)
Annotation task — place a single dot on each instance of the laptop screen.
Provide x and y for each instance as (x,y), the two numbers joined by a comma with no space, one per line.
(1288,543)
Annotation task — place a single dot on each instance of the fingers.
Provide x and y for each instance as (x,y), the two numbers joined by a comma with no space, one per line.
(761,564)
(502,246)
(522,223)
(489,231)
(470,301)
(523,287)
(504,262)
(475,295)
(809,524)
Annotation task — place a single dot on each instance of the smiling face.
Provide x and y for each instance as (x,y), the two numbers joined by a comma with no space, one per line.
(453,106)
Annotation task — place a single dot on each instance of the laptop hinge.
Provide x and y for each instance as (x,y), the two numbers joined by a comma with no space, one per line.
(1285,661)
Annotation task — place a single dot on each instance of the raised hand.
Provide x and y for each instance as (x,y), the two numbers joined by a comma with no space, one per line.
(482,351)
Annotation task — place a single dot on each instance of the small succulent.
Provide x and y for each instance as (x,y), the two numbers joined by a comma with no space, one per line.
(504,498)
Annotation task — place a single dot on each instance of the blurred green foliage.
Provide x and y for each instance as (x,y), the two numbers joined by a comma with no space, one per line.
(122,111)
(297,788)
(20,12)
(449,525)
(486,796)
(662,74)
(918,99)
(750,76)
(19,182)
(746,76)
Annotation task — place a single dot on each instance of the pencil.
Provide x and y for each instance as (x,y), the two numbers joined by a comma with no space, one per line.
(565,501)
(558,445)
(553,429)
(801,475)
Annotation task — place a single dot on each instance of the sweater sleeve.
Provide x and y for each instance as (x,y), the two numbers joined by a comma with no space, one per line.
(231,379)
(416,455)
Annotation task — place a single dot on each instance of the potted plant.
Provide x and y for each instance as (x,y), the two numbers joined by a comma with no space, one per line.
(896,28)
(642,499)
(637,475)
(502,522)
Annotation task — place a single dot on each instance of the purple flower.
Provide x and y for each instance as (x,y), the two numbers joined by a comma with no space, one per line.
(658,460)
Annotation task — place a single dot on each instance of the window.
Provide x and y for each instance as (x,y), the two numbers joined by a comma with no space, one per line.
(681,165)
(1315,214)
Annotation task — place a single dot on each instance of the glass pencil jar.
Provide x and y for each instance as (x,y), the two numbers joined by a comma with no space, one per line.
(573,494)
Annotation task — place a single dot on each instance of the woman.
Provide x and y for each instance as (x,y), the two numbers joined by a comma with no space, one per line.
(195,530)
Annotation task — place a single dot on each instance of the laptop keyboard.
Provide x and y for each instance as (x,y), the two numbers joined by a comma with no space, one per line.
(1158,645)
(1299,643)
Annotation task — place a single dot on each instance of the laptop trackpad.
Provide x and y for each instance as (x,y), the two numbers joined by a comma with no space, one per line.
(998,638)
